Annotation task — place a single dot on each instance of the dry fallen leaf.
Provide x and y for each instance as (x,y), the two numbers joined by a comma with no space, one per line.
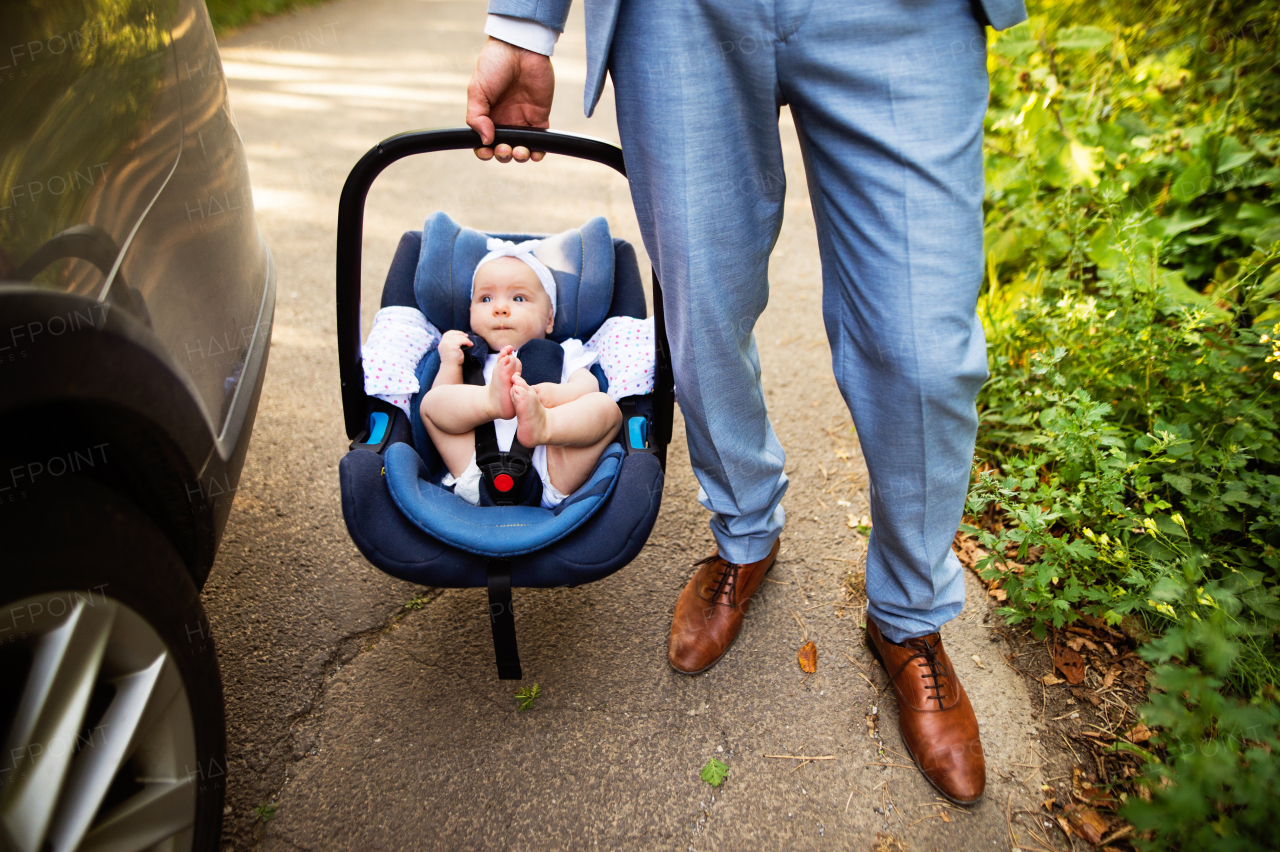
(887,843)
(1112,674)
(1070,664)
(1139,734)
(808,657)
(1050,680)
(977,659)
(1077,642)
(1087,823)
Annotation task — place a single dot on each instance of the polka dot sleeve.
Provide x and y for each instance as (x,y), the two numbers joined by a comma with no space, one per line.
(627,353)
(401,336)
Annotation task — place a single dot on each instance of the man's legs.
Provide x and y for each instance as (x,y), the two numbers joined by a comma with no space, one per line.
(697,99)
(698,117)
(889,102)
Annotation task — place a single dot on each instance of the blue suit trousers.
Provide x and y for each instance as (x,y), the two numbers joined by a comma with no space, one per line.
(888,98)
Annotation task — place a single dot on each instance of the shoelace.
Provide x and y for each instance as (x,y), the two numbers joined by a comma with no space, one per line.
(727,578)
(928,651)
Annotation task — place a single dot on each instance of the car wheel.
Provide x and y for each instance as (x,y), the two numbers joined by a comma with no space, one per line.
(110,697)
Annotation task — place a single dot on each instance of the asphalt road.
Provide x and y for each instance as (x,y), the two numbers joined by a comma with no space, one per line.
(369,725)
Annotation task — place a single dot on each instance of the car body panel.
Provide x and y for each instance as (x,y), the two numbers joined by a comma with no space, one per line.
(136,294)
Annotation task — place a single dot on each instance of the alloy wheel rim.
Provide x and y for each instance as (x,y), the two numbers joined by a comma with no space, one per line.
(99,738)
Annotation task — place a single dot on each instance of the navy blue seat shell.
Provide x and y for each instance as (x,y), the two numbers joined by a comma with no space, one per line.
(599,530)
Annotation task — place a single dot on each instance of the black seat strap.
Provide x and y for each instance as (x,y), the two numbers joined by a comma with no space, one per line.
(502,619)
(516,487)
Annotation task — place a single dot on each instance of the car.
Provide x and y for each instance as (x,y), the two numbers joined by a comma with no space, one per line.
(136,305)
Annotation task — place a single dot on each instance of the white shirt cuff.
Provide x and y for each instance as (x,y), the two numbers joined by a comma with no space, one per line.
(521,32)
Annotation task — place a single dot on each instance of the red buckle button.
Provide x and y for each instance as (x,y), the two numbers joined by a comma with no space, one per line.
(503,482)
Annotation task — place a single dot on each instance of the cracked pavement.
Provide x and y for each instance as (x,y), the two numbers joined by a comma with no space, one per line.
(371,725)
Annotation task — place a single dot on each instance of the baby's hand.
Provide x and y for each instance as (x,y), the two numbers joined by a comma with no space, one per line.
(451,347)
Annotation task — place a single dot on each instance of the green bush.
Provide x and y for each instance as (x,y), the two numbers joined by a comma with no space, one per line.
(230,14)
(1129,463)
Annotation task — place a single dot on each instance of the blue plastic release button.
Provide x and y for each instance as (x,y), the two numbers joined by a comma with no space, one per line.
(638,432)
(378,421)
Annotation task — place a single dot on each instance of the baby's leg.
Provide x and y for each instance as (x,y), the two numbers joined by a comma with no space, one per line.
(454,448)
(574,433)
(452,412)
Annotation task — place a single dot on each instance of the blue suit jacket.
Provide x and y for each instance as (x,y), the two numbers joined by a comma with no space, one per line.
(602,14)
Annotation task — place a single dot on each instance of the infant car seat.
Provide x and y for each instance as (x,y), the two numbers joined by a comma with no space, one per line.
(396,511)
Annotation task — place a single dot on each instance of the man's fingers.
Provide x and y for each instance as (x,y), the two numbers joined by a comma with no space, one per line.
(478,117)
(520,154)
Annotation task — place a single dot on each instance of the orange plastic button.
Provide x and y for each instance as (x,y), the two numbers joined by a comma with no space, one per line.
(503,482)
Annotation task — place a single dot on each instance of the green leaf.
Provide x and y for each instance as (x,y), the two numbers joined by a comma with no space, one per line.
(1083,162)
(1231,154)
(1083,38)
(1194,181)
(1249,210)
(714,772)
(1183,220)
(1268,237)
(526,695)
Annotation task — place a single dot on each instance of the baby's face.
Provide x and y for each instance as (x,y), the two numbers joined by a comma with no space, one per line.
(508,305)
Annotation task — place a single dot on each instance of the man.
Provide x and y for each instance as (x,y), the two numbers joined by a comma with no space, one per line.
(888,98)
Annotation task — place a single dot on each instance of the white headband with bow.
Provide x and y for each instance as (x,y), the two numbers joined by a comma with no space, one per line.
(521,251)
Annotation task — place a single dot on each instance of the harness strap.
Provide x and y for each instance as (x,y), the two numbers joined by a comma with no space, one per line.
(502,619)
(505,475)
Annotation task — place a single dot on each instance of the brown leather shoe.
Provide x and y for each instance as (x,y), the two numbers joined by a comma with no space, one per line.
(934,713)
(710,609)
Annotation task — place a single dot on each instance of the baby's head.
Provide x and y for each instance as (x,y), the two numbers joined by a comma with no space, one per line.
(509,304)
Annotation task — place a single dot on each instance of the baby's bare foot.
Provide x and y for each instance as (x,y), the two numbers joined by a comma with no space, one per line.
(500,384)
(531,416)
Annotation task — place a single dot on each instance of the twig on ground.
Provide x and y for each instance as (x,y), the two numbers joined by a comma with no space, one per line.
(796,616)
(900,765)
(800,757)
(827,603)
(850,799)
(1068,743)
(852,660)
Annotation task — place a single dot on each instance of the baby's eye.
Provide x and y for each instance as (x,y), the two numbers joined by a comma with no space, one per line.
(518,299)
(486,299)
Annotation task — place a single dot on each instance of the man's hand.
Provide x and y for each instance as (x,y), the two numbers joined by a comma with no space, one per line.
(510,85)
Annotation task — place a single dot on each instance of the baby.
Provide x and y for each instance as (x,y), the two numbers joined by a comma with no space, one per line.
(569,424)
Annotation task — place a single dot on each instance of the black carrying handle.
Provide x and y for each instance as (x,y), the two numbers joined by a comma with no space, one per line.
(351,235)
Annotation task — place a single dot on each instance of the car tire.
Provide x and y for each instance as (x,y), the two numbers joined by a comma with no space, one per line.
(110,696)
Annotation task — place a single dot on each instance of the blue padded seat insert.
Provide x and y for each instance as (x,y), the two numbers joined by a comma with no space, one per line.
(488,531)
(581,261)
(593,551)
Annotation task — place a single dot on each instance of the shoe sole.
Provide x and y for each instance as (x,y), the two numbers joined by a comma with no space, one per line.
(731,641)
(871,646)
